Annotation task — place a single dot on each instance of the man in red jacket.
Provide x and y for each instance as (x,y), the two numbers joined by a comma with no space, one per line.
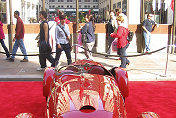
(19,36)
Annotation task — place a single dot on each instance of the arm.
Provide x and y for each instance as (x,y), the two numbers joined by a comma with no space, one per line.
(145,30)
(57,37)
(45,27)
(18,29)
(118,34)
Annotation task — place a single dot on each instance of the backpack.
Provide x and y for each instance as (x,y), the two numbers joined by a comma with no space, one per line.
(130,36)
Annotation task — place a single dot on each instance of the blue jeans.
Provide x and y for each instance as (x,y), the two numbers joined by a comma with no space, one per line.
(5,48)
(147,38)
(19,43)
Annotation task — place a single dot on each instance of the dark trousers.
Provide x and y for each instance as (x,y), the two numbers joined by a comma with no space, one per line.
(110,40)
(122,52)
(43,55)
(4,47)
(67,49)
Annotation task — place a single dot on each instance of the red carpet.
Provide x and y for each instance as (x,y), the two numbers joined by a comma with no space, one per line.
(159,97)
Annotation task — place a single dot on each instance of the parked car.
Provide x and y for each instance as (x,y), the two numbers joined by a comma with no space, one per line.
(85,89)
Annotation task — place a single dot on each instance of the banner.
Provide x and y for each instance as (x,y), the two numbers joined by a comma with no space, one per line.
(172,5)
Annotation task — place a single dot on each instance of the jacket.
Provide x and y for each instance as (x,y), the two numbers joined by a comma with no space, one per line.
(1,31)
(19,29)
(90,32)
(122,34)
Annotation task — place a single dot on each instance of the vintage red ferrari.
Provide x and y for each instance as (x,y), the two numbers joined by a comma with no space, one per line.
(84,89)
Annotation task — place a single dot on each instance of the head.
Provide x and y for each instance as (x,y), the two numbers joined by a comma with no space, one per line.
(89,17)
(16,14)
(120,19)
(62,19)
(43,15)
(112,14)
(149,16)
(118,11)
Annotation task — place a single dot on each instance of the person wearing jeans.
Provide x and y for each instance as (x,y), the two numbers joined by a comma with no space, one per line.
(19,36)
(147,29)
(19,43)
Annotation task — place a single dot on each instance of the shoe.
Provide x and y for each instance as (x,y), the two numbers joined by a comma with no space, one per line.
(11,60)
(8,58)
(24,60)
(40,69)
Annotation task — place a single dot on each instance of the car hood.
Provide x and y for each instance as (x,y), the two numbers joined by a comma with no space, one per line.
(99,92)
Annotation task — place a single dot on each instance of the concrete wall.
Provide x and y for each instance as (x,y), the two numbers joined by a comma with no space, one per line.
(160,37)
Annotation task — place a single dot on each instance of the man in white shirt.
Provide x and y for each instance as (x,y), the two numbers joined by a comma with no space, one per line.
(62,36)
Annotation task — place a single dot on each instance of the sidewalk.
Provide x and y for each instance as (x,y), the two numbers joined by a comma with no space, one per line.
(142,68)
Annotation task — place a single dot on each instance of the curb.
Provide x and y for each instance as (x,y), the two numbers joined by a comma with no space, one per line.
(21,77)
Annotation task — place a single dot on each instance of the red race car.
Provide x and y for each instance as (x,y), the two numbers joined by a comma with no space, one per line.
(85,89)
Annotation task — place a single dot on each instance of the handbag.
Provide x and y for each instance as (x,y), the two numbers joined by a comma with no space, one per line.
(114,45)
(84,37)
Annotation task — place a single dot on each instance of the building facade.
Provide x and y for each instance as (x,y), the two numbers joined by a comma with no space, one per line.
(160,9)
(28,10)
(69,6)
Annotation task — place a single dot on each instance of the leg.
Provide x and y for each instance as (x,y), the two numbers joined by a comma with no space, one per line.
(67,50)
(147,41)
(58,54)
(50,59)
(15,48)
(90,47)
(42,57)
(124,60)
(22,47)
(5,48)
(110,40)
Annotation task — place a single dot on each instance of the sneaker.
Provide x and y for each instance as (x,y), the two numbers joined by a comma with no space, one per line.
(11,60)
(24,60)
(40,69)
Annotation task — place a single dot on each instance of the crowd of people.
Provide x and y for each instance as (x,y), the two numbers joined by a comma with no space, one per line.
(117,33)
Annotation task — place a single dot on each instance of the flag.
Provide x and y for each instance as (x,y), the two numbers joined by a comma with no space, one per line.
(154,5)
(172,5)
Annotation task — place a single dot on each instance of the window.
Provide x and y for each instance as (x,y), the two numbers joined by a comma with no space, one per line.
(159,11)
(71,6)
(79,6)
(67,6)
(88,6)
(3,14)
(85,6)
(62,6)
(79,0)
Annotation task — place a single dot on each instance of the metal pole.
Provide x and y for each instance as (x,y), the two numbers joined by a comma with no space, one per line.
(77,27)
(173,31)
(173,38)
(43,5)
(11,27)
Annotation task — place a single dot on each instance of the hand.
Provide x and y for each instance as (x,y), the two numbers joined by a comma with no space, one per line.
(148,33)
(67,38)
(14,39)
(58,46)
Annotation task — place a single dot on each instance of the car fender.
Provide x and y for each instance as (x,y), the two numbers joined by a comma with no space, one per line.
(122,80)
(47,79)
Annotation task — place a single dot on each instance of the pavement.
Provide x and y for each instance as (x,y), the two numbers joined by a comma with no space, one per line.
(153,67)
